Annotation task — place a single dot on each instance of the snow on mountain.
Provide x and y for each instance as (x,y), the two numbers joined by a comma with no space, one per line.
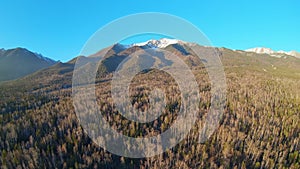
(162,43)
(40,56)
(23,52)
(262,50)
(291,53)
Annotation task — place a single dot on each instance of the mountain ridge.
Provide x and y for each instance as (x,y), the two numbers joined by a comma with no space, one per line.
(19,62)
(116,53)
(264,50)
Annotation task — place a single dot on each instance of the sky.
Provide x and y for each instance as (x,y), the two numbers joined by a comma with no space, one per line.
(59,29)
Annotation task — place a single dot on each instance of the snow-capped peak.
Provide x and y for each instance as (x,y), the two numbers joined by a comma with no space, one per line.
(291,53)
(162,43)
(262,50)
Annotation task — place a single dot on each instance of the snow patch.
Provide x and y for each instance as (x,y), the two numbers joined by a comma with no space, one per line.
(278,54)
(162,43)
(40,56)
(261,50)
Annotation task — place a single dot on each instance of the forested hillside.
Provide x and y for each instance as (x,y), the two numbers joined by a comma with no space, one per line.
(260,127)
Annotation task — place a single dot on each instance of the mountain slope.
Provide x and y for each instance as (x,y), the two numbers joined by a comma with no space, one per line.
(19,62)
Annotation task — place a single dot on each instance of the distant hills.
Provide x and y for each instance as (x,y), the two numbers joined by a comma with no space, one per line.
(19,62)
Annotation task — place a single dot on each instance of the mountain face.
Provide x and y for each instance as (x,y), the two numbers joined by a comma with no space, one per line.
(262,50)
(19,62)
(118,52)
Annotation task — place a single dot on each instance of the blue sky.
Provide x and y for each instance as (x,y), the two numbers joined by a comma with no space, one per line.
(59,29)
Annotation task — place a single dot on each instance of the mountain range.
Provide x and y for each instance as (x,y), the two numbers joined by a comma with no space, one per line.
(36,68)
(19,62)
(262,50)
